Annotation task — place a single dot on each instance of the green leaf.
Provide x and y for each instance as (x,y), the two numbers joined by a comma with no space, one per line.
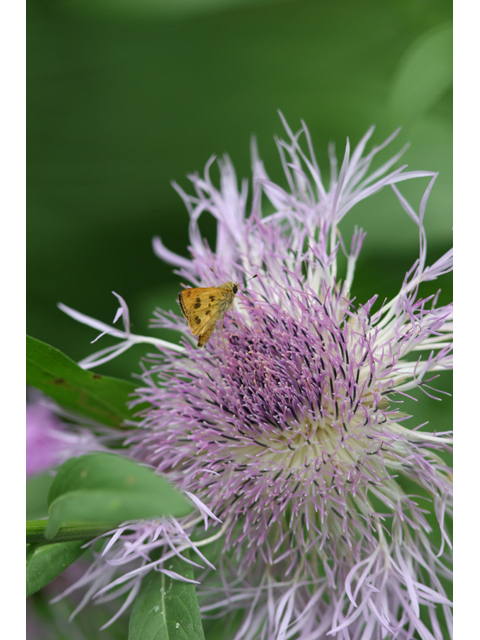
(99,397)
(37,491)
(167,609)
(425,72)
(46,562)
(107,489)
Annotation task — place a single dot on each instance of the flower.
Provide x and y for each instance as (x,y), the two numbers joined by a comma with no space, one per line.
(50,441)
(42,439)
(285,429)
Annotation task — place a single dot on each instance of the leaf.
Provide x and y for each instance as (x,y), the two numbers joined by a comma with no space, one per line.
(165,608)
(46,562)
(107,489)
(99,397)
(37,491)
(425,72)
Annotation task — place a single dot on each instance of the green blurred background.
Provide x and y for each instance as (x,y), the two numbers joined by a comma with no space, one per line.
(125,96)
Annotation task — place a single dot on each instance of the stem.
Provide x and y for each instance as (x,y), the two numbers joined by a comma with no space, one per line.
(219,534)
(73,531)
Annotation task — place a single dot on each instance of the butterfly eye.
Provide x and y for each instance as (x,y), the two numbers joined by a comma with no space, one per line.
(235,289)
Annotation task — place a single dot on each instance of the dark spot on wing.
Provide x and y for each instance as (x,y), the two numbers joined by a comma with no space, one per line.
(197,305)
(212,298)
(197,320)
(207,312)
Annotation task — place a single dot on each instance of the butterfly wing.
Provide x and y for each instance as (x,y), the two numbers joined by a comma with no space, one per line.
(187,300)
(197,308)
(207,330)
(203,307)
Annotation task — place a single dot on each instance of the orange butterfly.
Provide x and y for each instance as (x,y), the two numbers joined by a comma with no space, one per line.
(204,306)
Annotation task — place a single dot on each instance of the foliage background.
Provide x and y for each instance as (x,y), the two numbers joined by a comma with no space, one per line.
(125,96)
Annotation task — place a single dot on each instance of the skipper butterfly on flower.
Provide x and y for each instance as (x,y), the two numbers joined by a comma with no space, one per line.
(203,307)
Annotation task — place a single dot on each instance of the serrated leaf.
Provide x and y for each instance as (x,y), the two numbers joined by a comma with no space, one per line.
(99,397)
(107,489)
(424,73)
(165,608)
(46,562)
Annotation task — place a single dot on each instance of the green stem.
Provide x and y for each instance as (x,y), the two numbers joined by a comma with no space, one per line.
(73,531)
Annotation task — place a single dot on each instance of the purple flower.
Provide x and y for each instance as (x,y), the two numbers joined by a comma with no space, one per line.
(50,441)
(287,426)
(43,442)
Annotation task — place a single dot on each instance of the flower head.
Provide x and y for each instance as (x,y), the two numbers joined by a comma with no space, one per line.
(43,439)
(50,441)
(287,425)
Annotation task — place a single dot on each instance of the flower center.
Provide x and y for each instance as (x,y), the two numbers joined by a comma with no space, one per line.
(304,448)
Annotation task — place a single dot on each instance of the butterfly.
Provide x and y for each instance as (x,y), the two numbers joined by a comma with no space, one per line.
(203,307)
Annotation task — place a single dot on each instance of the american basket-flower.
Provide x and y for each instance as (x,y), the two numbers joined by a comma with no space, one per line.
(286,431)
